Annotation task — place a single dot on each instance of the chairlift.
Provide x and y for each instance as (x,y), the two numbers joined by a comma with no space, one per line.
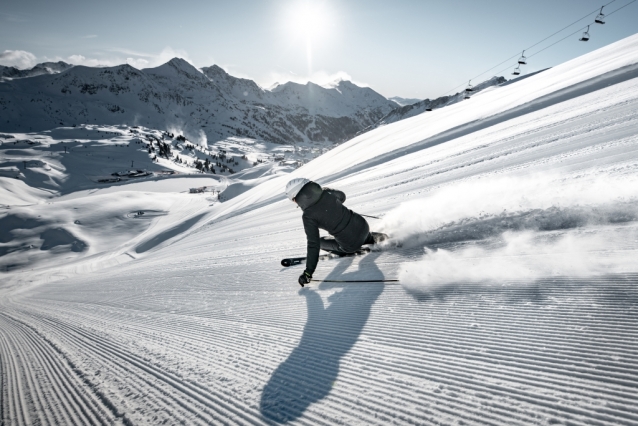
(517,70)
(585,36)
(600,19)
(469,87)
(522,60)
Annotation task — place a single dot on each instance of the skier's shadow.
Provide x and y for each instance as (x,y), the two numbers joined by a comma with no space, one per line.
(311,370)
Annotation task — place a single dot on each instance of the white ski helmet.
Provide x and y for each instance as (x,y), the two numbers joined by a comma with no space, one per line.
(294,186)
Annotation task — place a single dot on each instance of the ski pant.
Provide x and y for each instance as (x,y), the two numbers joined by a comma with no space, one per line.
(331,245)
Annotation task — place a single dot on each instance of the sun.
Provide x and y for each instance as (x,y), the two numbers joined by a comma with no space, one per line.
(309,20)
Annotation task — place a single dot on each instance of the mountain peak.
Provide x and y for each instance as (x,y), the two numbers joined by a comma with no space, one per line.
(175,65)
(179,62)
(214,71)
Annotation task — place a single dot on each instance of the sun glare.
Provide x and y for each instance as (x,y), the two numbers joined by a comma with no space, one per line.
(310,23)
(309,20)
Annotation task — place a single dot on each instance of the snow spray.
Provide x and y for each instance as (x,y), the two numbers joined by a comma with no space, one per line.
(519,228)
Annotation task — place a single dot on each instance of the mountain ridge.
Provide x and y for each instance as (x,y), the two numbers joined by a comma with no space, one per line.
(404,101)
(9,72)
(206,103)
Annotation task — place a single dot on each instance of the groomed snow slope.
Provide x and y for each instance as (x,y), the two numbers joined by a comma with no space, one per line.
(518,214)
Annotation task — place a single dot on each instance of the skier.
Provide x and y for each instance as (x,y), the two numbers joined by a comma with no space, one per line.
(323,208)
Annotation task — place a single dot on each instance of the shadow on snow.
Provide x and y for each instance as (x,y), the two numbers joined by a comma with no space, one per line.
(310,371)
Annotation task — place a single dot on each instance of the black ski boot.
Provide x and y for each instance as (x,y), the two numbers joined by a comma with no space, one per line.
(378,237)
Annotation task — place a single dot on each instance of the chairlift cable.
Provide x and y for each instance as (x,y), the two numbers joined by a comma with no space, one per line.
(563,29)
(566,37)
(536,44)
(622,7)
(611,13)
(575,32)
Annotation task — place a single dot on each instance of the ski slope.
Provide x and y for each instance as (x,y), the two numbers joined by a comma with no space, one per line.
(517,213)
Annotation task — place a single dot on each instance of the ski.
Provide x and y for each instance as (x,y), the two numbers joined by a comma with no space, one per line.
(291,261)
(356,281)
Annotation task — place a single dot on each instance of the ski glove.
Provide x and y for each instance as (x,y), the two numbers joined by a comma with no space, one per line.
(304,278)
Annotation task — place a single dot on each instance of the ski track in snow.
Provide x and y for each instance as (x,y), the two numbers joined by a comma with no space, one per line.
(203,326)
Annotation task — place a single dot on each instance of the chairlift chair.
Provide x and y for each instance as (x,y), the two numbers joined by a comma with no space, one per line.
(469,87)
(517,70)
(600,18)
(522,60)
(585,36)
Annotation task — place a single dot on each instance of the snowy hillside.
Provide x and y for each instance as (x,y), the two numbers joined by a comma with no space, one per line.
(207,104)
(74,162)
(517,214)
(408,110)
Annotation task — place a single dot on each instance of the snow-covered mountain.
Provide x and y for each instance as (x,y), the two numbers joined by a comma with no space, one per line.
(419,107)
(9,73)
(141,303)
(176,95)
(404,101)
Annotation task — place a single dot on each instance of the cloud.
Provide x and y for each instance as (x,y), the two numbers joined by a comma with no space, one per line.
(22,59)
(322,78)
(167,54)
(17,58)
(129,52)
(135,59)
(90,36)
(145,60)
(138,63)
(91,62)
(230,69)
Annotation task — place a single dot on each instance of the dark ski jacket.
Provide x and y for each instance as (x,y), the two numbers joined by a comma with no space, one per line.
(323,208)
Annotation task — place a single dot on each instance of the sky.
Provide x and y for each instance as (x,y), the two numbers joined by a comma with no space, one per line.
(408,48)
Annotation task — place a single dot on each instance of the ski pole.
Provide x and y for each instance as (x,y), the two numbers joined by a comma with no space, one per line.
(373,217)
(359,281)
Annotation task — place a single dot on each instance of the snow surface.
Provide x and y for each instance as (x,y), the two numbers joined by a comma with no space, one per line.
(517,215)
(411,109)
